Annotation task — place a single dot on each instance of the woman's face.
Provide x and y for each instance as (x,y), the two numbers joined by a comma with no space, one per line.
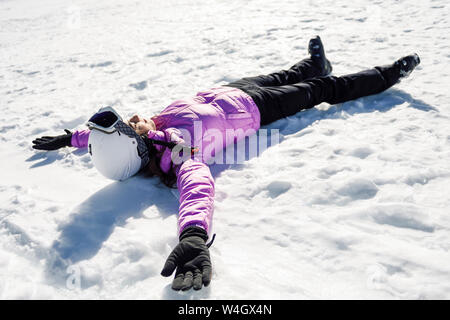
(141,125)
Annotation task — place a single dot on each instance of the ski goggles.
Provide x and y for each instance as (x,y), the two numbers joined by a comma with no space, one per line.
(108,121)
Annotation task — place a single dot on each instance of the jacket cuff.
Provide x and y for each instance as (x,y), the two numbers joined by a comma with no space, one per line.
(194,231)
(80,139)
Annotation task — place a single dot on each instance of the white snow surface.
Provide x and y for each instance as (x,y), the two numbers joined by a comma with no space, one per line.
(353,203)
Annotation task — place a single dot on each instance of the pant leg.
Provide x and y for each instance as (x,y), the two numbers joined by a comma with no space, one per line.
(299,72)
(277,102)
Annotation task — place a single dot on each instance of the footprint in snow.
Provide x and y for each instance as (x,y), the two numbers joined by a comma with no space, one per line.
(139,85)
(160,53)
(97,65)
(401,216)
(362,152)
(358,189)
(277,188)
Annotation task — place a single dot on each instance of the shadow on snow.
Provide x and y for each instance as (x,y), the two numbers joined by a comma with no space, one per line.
(94,220)
(382,102)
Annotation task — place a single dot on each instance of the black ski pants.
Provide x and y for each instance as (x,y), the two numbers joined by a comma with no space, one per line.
(304,86)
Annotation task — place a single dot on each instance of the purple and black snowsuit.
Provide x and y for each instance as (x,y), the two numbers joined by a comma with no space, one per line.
(242,106)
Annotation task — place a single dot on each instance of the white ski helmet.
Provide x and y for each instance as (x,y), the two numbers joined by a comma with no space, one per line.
(115,155)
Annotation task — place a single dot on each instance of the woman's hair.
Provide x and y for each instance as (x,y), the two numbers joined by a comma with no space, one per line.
(153,169)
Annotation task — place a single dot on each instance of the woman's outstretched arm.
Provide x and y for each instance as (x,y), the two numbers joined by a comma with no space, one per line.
(196,187)
(191,256)
(77,139)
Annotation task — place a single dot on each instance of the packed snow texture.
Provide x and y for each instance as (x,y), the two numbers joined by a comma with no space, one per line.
(353,201)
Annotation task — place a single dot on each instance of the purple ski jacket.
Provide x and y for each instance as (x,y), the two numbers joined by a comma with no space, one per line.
(211,120)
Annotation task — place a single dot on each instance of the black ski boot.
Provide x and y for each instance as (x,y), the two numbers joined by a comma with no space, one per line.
(317,52)
(407,64)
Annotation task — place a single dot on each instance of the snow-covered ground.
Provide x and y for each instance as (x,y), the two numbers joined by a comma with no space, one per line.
(352,203)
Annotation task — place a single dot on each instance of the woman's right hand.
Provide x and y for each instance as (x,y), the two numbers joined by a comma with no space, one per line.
(53,142)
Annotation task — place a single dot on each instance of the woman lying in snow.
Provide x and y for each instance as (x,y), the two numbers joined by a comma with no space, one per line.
(173,144)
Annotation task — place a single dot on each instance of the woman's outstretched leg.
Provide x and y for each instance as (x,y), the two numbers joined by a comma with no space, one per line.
(276,102)
(315,66)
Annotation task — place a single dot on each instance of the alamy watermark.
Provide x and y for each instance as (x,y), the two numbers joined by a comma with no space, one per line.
(31,284)
(73,281)
(376,276)
(223,146)
(73,17)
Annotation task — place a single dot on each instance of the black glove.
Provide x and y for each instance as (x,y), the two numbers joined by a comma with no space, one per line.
(191,259)
(53,143)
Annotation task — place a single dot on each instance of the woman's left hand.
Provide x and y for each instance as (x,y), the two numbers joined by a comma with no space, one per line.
(191,259)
